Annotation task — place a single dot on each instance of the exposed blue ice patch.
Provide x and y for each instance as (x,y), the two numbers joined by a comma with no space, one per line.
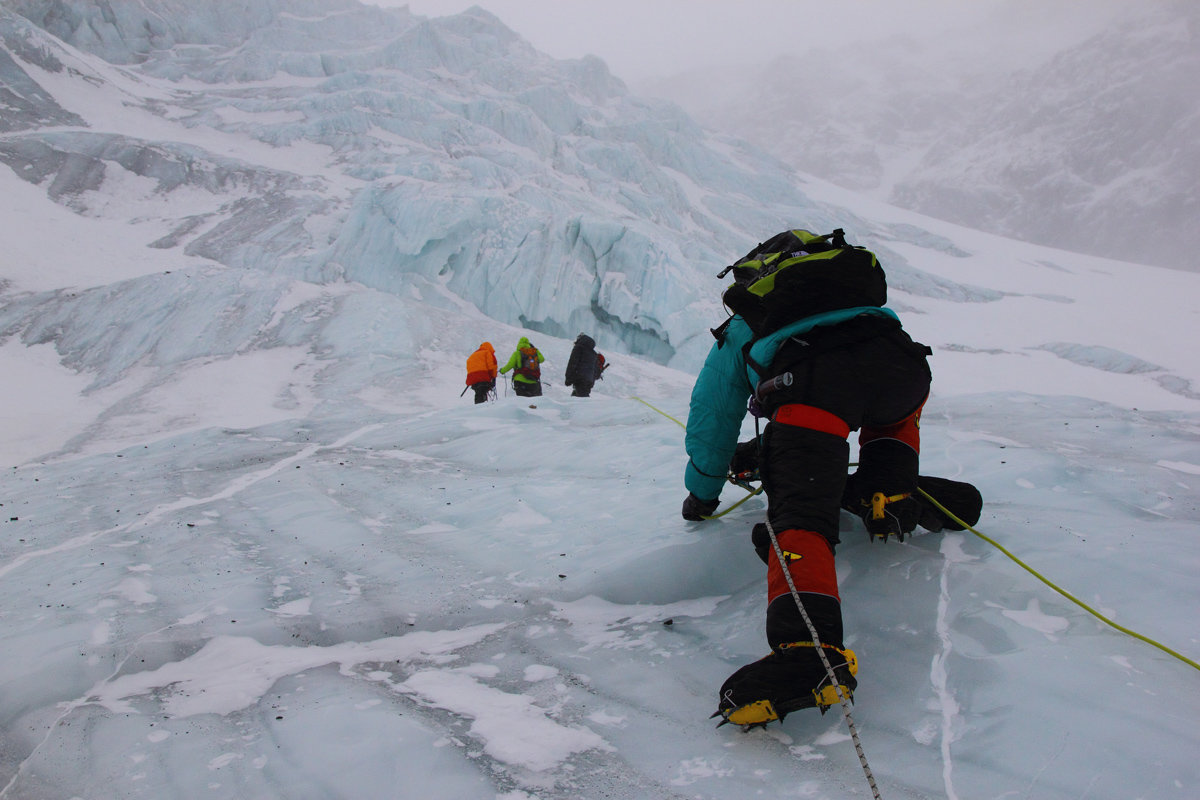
(1100,357)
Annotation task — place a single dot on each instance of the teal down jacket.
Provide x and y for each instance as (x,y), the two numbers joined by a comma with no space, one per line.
(723,389)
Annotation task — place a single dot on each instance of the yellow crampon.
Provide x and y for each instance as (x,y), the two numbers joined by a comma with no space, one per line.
(828,696)
(879,500)
(760,712)
(848,654)
(878,505)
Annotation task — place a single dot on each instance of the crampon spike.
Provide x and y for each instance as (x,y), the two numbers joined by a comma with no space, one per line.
(745,726)
(751,715)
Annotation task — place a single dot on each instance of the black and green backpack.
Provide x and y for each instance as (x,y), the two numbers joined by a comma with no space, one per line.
(797,273)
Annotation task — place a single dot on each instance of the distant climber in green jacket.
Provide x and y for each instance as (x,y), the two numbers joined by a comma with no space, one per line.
(526,363)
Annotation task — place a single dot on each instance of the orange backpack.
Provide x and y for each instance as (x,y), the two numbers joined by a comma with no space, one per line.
(530,367)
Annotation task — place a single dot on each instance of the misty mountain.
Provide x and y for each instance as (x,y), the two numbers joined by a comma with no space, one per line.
(1082,137)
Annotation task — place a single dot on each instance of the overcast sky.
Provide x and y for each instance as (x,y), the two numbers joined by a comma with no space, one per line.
(654,38)
(641,39)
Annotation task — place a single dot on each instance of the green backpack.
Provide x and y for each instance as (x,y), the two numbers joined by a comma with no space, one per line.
(797,273)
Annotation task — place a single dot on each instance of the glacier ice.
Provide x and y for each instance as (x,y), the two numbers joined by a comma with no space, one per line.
(539,191)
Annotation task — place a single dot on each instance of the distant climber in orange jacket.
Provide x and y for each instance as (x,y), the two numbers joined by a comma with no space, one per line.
(481,371)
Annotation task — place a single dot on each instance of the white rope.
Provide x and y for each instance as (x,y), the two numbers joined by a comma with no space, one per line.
(858,748)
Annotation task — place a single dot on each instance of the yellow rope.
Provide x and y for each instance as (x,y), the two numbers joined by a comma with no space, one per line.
(659,410)
(738,503)
(1003,550)
(1057,588)
(680,424)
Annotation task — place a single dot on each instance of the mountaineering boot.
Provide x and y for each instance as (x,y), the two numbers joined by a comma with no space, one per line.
(885,485)
(800,574)
(791,677)
(956,497)
(960,499)
(808,557)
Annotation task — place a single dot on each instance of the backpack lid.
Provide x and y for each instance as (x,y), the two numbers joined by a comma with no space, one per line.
(797,273)
(754,270)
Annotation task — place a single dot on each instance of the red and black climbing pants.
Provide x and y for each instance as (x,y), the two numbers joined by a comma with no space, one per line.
(863,374)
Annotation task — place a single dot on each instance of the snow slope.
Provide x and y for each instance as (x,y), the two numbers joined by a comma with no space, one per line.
(392,592)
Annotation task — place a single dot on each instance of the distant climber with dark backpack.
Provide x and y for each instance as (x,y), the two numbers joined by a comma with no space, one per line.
(481,371)
(811,347)
(583,367)
(526,364)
